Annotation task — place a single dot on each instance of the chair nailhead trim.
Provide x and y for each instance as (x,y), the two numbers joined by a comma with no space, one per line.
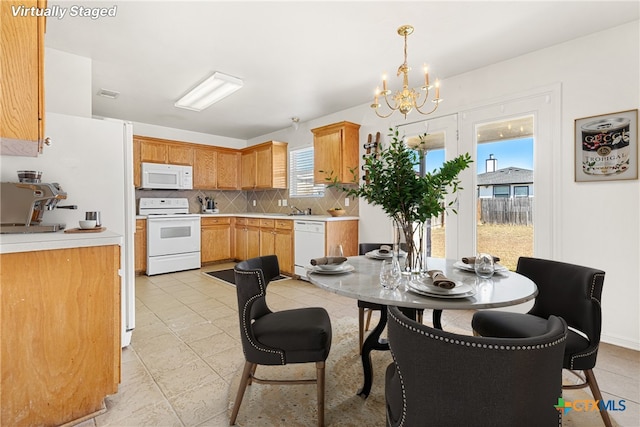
(245,328)
(458,342)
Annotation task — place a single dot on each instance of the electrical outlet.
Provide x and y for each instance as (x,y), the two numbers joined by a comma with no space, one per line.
(254,203)
(279,202)
(346,201)
(284,202)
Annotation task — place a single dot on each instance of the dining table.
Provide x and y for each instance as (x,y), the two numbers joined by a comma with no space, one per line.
(358,278)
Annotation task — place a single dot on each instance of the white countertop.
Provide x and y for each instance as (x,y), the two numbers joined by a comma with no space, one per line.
(323,218)
(28,242)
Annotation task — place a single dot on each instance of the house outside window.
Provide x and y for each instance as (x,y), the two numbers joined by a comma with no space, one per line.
(301,174)
(521,191)
(501,191)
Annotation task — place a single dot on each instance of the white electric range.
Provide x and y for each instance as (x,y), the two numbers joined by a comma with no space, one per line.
(173,235)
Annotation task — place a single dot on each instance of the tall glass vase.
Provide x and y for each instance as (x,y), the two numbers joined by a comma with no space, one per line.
(412,238)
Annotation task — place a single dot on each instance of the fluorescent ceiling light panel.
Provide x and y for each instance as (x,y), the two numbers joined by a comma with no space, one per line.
(210,91)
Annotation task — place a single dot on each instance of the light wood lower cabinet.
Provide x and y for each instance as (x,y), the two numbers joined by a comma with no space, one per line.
(60,334)
(215,239)
(140,246)
(343,233)
(276,238)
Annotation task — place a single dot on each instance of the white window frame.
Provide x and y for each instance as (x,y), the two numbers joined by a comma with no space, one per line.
(300,172)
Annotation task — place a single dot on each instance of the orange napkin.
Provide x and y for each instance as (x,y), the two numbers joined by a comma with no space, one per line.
(440,280)
(328,260)
(472,260)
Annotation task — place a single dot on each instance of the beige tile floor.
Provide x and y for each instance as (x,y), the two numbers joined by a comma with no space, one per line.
(186,349)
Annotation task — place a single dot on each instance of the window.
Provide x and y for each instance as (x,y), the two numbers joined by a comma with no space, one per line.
(521,191)
(500,191)
(301,174)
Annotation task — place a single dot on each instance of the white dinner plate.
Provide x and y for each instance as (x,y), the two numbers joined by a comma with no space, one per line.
(423,287)
(469,267)
(375,254)
(344,268)
(330,267)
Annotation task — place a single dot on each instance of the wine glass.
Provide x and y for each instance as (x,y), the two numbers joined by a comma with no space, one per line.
(484,265)
(336,251)
(390,274)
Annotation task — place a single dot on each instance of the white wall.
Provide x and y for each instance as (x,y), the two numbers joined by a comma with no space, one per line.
(67,82)
(598,222)
(155,131)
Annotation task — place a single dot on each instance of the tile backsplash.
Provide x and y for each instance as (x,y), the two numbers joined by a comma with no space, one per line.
(266,200)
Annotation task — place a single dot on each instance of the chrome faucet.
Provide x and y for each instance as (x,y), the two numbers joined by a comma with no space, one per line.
(296,211)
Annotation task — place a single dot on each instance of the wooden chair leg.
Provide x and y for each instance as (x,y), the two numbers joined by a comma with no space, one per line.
(244,381)
(595,390)
(360,329)
(253,372)
(320,385)
(366,326)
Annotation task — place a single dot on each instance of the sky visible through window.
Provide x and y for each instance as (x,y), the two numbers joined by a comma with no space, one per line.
(516,153)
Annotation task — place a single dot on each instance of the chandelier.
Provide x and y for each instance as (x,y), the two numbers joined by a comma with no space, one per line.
(406,99)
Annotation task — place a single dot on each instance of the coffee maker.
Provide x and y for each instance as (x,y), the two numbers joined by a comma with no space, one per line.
(23,205)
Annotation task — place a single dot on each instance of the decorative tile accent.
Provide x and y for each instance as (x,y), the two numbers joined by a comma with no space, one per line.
(230,202)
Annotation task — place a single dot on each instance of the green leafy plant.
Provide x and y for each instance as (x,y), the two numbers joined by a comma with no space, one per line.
(394,185)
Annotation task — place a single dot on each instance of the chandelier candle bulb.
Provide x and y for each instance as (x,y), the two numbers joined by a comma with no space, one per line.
(405,99)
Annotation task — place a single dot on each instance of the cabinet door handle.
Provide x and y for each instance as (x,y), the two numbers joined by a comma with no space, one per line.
(48,141)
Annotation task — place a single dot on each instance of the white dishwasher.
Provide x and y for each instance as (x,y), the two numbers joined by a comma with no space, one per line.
(308,243)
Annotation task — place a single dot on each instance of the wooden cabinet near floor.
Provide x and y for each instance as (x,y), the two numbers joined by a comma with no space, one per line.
(336,151)
(247,238)
(140,246)
(276,238)
(60,334)
(215,240)
(343,233)
(22,81)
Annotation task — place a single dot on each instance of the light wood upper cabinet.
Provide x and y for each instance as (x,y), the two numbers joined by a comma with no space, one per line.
(228,170)
(249,165)
(213,167)
(336,151)
(264,166)
(154,150)
(22,79)
(205,168)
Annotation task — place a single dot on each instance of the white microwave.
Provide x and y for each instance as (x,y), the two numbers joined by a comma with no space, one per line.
(156,176)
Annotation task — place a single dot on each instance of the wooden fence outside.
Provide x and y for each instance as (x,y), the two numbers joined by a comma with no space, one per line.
(516,211)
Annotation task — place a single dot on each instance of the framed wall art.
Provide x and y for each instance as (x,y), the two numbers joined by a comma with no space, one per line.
(607,147)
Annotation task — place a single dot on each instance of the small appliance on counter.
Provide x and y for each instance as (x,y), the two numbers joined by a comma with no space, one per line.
(24,203)
(208,205)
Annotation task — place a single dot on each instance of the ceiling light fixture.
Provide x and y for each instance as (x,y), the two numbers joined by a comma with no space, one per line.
(295,122)
(406,99)
(210,91)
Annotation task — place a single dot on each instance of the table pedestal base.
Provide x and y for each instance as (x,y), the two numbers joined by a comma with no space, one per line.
(374,342)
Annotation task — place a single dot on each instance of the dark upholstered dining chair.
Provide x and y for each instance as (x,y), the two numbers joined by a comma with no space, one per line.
(443,379)
(277,338)
(570,291)
(366,308)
